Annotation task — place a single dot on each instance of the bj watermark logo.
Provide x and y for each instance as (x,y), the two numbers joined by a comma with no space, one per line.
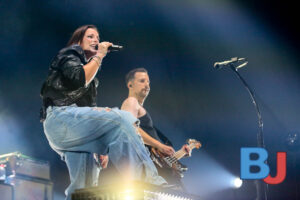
(263,172)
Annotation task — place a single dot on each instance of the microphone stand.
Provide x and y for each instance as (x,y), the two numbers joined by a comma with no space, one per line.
(261,187)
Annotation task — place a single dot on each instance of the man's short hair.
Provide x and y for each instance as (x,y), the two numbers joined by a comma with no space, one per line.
(130,75)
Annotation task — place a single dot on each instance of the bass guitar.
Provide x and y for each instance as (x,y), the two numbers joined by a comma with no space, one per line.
(172,162)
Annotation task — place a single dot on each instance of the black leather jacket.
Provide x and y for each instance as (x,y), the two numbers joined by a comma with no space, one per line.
(65,84)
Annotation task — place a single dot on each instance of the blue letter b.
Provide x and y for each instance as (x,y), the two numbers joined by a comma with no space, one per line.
(246,163)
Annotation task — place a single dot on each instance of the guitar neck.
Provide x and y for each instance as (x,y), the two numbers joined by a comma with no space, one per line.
(181,153)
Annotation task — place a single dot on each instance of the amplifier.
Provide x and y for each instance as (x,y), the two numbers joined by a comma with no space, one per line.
(26,188)
(6,191)
(136,191)
(18,164)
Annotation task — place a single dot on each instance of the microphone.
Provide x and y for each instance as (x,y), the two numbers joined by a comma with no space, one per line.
(112,48)
(115,48)
(234,60)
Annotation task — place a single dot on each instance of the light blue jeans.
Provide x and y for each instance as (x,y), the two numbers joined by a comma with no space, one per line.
(78,132)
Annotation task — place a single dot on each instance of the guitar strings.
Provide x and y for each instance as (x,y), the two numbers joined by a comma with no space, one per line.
(177,155)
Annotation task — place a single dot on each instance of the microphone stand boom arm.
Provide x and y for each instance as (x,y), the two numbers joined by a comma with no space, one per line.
(261,187)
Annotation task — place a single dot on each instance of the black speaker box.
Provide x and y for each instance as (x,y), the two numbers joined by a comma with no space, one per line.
(6,191)
(132,190)
(26,188)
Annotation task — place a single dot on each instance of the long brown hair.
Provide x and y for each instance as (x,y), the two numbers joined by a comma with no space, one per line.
(78,34)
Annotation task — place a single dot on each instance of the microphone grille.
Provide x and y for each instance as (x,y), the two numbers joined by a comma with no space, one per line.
(216,65)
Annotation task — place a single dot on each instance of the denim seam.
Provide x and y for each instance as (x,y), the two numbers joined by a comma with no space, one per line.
(106,119)
(132,139)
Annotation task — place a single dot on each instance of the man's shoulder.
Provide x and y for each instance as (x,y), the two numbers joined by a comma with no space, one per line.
(131,105)
(131,101)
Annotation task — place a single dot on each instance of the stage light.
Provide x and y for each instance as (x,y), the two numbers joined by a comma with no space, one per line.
(237,182)
(128,194)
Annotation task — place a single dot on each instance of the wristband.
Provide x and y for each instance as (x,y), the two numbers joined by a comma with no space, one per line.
(99,59)
(96,61)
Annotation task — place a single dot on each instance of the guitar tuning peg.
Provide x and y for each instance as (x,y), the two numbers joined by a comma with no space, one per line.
(189,141)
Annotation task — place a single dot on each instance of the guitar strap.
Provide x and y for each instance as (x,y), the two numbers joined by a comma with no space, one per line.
(163,138)
(166,172)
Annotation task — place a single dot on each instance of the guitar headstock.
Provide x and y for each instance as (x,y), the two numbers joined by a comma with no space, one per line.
(194,143)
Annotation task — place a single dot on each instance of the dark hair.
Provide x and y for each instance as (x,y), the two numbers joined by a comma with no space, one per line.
(78,34)
(130,75)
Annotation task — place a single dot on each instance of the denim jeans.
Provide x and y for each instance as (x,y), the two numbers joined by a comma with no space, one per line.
(86,130)
(83,171)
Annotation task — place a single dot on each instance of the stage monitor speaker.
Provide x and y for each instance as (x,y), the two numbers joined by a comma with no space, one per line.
(29,188)
(6,192)
(19,164)
(134,190)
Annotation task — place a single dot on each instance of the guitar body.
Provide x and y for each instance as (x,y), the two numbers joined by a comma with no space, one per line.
(162,161)
(171,163)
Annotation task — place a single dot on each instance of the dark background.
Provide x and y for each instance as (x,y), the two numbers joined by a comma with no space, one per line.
(178,43)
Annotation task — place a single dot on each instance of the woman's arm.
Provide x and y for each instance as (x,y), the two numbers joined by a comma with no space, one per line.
(91,68)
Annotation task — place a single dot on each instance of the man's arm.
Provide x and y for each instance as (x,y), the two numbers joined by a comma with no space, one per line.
(131,105)
(155,143)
